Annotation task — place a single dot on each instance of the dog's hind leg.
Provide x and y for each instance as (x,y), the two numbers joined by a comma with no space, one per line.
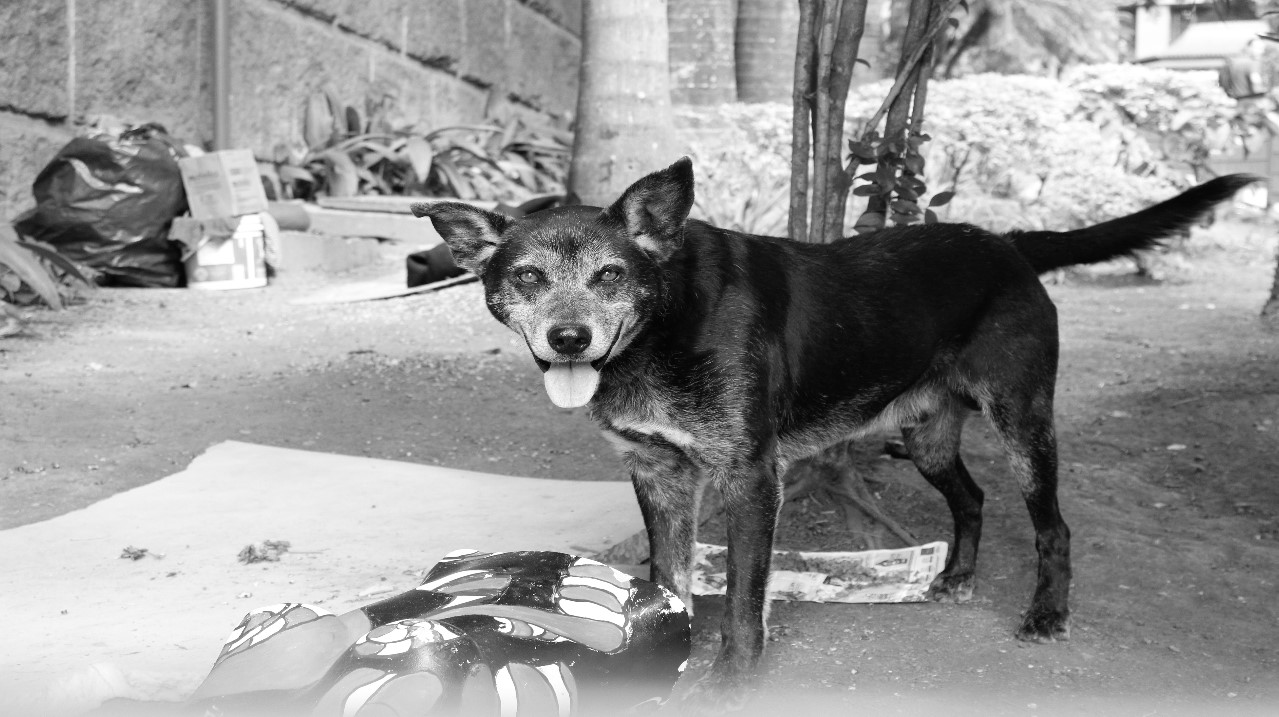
(934,448)
(669,489)
(1025,425)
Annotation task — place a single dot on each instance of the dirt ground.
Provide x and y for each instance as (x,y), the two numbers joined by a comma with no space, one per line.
(1168,422)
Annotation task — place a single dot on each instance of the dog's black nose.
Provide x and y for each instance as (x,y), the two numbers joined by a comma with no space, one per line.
(570,339)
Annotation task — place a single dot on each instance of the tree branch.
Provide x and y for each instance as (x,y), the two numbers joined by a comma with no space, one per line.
(907,67)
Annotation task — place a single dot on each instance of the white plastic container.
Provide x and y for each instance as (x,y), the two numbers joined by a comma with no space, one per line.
(234,262)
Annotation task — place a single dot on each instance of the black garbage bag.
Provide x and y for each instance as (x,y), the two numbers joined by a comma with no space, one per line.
(107,203)
(432,265)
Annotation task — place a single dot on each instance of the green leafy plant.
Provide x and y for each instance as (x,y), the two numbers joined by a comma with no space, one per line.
(1003,151)
(897,178)
(1181,117)
(1067,152)
(984,130)
(744,191)
(32,272)
(350,151)
(742,156)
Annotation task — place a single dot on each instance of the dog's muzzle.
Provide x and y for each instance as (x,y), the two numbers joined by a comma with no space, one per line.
(572,383)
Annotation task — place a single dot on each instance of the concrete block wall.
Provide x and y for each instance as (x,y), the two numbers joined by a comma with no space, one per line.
(33,95)
(444,62)
(702,40)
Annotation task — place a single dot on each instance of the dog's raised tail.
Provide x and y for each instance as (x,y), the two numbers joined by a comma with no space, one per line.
(1047,250)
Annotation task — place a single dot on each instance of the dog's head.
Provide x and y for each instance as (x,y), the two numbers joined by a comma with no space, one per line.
(578,283)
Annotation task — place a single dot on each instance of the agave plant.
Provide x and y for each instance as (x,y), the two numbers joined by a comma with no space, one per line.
(352,152)
(32,272)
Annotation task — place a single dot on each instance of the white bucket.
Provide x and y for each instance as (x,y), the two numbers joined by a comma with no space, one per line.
(236,262)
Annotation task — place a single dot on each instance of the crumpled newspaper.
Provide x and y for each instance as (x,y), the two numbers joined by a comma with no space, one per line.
(900,575)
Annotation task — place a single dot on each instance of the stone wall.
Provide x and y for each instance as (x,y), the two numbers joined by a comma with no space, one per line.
(702,38)
(444,62)
(33,95)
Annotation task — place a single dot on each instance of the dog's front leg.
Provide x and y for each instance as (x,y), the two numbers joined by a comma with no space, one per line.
(668,487)
(752,498)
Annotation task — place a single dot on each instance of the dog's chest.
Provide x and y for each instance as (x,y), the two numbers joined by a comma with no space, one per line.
(630,430)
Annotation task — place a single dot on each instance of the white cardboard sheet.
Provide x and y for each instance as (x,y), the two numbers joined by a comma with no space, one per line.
(358,529)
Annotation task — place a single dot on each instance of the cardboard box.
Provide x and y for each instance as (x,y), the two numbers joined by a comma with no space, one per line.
(223,184)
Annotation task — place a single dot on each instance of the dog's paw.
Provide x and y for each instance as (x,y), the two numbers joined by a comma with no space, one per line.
(1042,625)
(952,588)
(713,695)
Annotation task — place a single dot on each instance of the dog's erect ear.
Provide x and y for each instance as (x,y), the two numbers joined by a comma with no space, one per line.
(473,234)
(655,208)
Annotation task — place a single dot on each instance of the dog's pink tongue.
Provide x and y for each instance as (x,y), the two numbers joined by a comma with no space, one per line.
(571,384)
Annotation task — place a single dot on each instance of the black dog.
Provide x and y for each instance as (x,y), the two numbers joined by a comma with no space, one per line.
(713,356)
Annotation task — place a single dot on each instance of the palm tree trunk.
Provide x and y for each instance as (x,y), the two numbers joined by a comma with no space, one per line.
(624,122)
(766,34)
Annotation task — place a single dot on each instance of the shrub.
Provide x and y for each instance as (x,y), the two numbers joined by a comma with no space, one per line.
(1181,117)
(32,272)
(742,155)
(983,127)
(348,151)
(1019,151)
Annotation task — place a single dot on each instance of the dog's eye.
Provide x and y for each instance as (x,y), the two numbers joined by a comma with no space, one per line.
(529,276)
(609,274)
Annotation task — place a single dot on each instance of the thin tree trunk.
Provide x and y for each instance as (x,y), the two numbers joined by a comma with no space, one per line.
(837,28)
(624,119)
(899,110)
(1270,312)
(849,30)
(975,34)
(802,102)
(824,37)
(828,40)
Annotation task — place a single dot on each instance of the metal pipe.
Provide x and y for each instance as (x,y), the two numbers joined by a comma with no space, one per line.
(221,74)
(71,63)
